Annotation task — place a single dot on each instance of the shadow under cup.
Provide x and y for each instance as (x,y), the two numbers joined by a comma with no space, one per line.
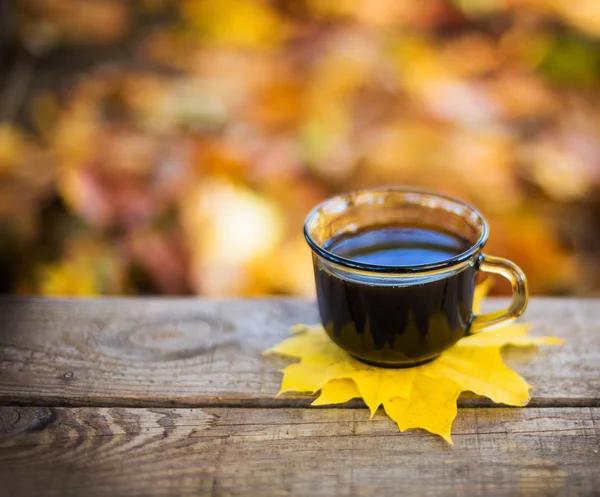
(403,315)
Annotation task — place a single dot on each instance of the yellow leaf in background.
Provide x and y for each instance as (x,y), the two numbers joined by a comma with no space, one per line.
(417,397)
(585,17)
(243,23)
(481,291)
(90,269)
(67,278)
(11,143)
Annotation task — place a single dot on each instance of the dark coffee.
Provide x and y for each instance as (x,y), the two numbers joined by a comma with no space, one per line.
(399,325)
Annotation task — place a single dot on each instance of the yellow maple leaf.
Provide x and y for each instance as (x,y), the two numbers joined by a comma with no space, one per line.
(418,397)
(432,406)
(337,392)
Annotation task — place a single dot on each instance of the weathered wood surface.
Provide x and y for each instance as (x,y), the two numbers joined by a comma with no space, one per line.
(124,451)
(199,352)
(145,359)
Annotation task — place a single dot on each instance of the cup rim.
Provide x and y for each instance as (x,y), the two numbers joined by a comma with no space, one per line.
(406,270)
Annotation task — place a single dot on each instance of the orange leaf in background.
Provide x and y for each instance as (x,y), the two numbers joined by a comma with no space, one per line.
(418,397)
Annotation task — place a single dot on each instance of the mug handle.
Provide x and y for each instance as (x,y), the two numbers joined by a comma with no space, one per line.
(515,275)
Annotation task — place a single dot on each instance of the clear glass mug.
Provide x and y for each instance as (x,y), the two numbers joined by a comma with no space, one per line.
(400,316)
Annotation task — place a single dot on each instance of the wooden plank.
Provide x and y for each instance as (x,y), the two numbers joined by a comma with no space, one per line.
(123,451)
(200,352)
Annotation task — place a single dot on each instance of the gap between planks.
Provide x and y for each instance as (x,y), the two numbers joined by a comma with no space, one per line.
(463,403)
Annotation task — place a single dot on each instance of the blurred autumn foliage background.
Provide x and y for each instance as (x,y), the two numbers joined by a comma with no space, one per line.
(176,146)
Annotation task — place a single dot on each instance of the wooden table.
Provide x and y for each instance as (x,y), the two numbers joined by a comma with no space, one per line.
(172,397)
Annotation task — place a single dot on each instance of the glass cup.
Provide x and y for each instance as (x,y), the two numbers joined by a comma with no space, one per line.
(401,316)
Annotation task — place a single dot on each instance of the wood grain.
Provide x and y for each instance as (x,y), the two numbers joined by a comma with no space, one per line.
(152,452)
(199,352)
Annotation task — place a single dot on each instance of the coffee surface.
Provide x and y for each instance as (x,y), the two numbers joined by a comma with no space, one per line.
(396,325)
(397,246)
